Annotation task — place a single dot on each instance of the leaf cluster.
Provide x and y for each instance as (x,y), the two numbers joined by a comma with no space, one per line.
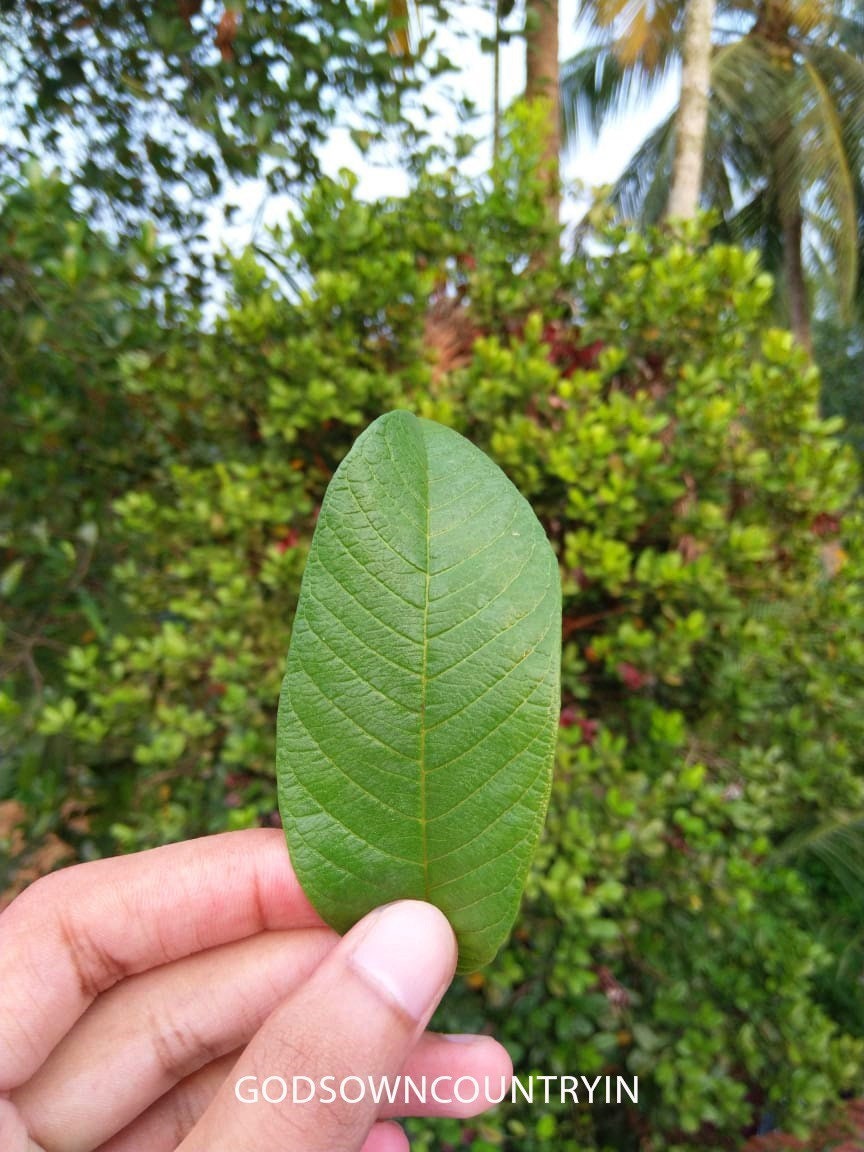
(153,106)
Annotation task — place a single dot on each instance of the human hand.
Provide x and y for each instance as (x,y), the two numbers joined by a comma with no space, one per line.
(135,992)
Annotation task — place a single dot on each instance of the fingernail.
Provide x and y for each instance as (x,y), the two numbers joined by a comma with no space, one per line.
(463,1037)
(408,952)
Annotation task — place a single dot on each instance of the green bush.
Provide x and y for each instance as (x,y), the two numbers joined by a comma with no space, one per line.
(840,354)
(71,303)
(709,537)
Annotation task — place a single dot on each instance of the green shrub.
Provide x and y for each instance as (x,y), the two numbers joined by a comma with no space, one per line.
(71,303)
(713,677)
(840,354)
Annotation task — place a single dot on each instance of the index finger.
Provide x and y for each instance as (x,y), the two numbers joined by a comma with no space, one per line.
(77,932)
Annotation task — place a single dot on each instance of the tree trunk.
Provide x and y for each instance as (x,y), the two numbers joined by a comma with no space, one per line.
(541,82)
(496,88)
(796,285)
(691,120)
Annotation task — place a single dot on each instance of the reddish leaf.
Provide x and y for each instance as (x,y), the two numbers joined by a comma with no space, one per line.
(589,729)
(569,716)
(825,524)
(290,540)
(631,677)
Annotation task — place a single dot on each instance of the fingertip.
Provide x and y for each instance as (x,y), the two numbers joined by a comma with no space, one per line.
(487,1063)
(386,1137)
(497,1060)
(429,924)
(486,1050)
(408,951)
(280,892)
(496,1073)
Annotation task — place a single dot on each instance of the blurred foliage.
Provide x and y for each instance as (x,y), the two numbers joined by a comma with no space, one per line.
(840,354)
(710,539)
(153,105)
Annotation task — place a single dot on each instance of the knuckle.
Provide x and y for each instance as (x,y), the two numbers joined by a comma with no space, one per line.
(95,968)
(179,1046)
(48,907)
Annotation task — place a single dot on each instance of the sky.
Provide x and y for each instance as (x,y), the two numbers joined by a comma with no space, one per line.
(592,165)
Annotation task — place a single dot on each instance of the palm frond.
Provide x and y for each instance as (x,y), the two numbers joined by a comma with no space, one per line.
(596,89)
(748,84)
(590,93)
(733,142)
(843,74)
(811,17)
(746,225)
(756,225)
(642,190)
(592,21)
(848,31)
(785,130)
(718,188)
(400,17)
(640,30)
(734,147)
(826,175)
(838,843)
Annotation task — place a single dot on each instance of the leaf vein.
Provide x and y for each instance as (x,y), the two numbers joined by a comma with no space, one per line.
(488,780)
(377,531)
(541,683)
(360,676)
(496,684)
(330,702)
(489,544)
(351,632)
(473,515)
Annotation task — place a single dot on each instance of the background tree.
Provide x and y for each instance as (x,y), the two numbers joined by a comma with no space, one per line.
(542,83)
(692,119)
(784,135)
(152,105)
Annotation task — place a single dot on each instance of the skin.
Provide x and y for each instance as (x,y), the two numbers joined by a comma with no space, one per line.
(136,991)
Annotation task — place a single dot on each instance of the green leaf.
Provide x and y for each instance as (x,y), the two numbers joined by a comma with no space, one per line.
(419,709)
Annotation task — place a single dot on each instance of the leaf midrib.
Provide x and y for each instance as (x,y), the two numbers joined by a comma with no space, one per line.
(424,850)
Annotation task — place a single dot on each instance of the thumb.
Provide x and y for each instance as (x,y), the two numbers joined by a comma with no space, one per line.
(358,1016)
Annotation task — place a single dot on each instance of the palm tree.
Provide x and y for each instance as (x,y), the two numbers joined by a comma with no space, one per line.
(692,118)
(542,82)
(785,132)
